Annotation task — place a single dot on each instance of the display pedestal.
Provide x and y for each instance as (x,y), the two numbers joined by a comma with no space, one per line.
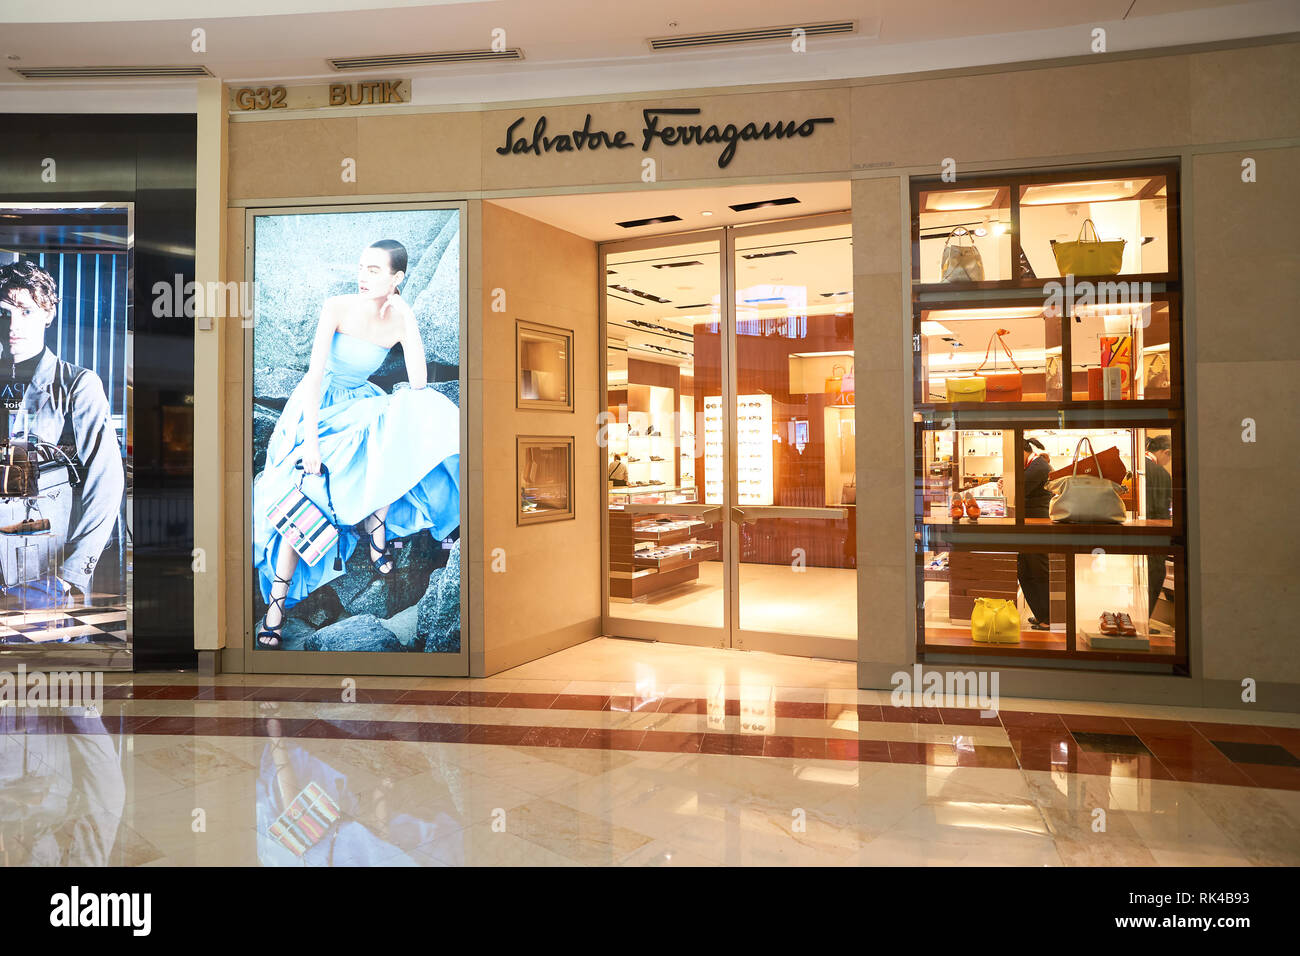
(1108,642)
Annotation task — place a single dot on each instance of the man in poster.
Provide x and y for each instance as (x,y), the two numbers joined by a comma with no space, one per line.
(62,404)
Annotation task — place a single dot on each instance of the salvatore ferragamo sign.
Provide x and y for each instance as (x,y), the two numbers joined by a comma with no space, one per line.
(658,126)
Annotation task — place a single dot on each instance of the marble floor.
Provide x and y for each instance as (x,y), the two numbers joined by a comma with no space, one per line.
(639,754)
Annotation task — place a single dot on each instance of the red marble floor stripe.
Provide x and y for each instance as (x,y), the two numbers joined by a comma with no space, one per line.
(600,738)
(579,702)
(537,701)
(969,716)
(805,710)
(1032,720)
(1096,724)
(909,715)
(736,745)
(803,748)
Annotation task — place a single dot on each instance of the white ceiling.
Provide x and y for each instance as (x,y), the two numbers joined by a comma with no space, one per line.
(570,52)
(596,215)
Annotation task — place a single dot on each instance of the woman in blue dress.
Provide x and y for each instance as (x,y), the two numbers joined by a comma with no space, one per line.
(392,461)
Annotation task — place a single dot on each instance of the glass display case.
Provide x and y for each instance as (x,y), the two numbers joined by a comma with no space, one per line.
(544,365)
(545,467)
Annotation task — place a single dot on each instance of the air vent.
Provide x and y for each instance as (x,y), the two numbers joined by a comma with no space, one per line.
(747,206)
(761,35)
(768,255)
(394,60)
(697,305)
(109,72)
(676,265)
(634,223)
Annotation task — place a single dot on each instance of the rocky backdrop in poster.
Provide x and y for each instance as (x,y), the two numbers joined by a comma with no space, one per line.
(356,488)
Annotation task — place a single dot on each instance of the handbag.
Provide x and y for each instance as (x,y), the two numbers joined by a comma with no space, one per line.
(961,263)
(304,525)
(834,384)
(1106,464)
(965,389)
(846,387)
(19,470)
(1155,371)
(849,495)
(1086,499)
(1001,386)
(1089,257)
(995,621)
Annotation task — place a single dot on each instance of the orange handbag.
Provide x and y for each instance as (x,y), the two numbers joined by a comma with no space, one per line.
(1001,386)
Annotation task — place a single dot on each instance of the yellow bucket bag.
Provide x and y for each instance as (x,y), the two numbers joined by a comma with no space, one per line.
(995,621)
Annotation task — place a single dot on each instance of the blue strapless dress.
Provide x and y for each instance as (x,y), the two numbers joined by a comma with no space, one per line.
(401,450)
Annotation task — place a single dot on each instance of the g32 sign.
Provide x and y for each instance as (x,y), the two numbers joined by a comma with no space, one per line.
(654,129)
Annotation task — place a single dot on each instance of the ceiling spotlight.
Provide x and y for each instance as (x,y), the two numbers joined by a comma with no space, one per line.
(706,213)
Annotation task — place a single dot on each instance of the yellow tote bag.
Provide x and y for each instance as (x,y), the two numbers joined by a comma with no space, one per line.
(966,389)
(1089,257)
(995,621)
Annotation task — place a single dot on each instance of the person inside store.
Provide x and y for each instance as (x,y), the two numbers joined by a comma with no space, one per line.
(1032,569)
(61,404)
(618,472)
(1160,497)
(390,461)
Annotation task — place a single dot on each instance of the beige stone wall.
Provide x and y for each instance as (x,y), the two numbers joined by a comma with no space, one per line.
(1205,107)
(548,597)
(1247,365)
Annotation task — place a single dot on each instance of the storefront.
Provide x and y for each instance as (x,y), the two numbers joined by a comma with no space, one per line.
(789,411)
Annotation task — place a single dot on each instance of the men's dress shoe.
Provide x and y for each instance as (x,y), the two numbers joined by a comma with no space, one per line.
(26,526)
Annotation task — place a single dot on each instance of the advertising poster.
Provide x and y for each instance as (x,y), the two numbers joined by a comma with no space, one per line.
(356,431)
(65,322)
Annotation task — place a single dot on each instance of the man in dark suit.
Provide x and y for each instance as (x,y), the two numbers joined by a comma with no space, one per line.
(1159,499)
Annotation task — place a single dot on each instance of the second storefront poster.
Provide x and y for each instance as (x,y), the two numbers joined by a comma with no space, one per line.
(356,431)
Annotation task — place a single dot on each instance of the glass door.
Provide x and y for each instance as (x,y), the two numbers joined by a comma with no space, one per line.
(728,435)
(665,351)
(793,524)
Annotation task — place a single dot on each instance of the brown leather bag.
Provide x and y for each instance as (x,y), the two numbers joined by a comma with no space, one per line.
(19,470)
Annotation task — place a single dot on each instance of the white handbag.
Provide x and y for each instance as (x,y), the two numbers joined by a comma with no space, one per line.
(961,263)
(1086,499)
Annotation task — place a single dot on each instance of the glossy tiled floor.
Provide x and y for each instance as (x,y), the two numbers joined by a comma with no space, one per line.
(621,752)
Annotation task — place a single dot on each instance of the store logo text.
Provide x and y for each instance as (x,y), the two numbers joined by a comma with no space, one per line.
(653,130)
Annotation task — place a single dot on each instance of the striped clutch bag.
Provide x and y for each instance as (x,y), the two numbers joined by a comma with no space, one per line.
(306,821)
(301,522)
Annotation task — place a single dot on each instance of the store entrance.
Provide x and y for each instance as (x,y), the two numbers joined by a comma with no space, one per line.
(729,438)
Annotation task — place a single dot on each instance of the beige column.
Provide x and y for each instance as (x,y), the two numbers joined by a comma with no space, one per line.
(882,339)
(210,479)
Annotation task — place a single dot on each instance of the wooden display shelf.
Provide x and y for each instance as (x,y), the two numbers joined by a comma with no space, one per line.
(1138,526)
(943,637)
(669,536)
(707,551)
(994,285)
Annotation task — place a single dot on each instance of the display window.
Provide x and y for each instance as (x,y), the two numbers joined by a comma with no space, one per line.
(1049,427)
(66,317)
(355,510)
(1022,229)
(545,479)
(986,600)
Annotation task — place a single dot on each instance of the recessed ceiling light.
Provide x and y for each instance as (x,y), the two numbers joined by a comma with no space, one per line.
(706,212)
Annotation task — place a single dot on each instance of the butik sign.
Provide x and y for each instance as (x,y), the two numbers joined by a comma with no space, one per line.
(657,127)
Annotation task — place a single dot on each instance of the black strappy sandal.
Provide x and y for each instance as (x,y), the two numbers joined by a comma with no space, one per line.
(268,637)
(386,554)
